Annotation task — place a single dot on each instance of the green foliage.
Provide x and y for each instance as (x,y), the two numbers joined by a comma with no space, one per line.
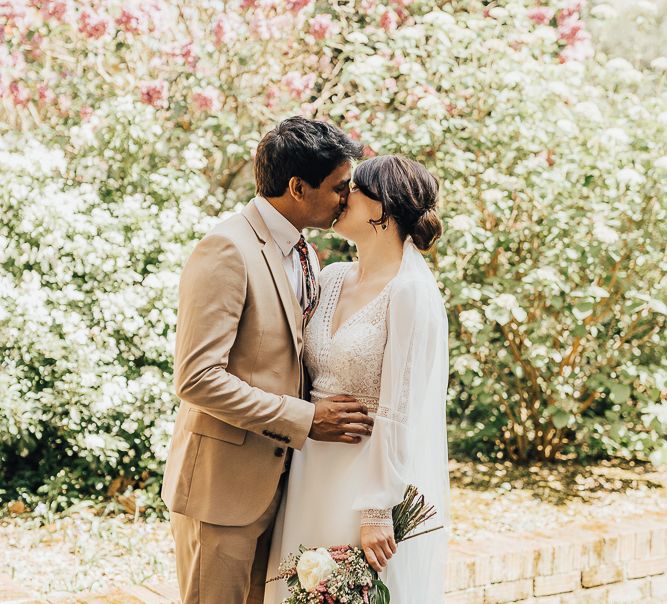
(552,163)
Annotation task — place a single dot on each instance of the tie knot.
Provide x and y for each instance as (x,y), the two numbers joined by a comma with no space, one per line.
(301,245)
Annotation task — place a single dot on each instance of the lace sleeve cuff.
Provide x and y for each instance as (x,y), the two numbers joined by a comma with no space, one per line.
(377,518)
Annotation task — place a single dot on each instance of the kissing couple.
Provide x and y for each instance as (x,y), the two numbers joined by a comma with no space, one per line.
(310,399)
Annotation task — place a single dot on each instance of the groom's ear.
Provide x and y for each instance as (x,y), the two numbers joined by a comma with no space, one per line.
(296,188)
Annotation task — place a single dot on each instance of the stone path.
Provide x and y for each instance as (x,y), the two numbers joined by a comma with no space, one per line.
(11,593)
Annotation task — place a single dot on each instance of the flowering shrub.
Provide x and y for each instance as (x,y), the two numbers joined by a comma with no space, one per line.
(130,126)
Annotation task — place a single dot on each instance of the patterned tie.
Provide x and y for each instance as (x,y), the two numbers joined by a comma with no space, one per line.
(309,277)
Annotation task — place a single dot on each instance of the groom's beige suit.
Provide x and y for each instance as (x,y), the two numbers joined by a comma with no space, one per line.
(239,374)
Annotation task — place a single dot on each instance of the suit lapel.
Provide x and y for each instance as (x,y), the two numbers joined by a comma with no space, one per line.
(274,260)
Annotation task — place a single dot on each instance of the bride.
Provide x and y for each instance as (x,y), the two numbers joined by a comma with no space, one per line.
(379,334)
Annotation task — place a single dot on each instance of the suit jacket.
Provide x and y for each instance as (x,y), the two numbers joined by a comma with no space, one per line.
(239,374)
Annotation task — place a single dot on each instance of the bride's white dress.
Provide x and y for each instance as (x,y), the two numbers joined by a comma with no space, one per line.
(392,356)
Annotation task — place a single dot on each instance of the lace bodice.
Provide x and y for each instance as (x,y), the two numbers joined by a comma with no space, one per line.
(350,360)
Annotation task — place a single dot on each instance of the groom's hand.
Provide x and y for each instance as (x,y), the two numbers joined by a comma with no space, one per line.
(340,418)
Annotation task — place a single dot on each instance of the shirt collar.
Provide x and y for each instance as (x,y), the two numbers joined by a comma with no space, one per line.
(284,233)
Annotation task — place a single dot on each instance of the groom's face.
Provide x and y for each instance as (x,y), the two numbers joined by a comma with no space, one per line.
(326,203)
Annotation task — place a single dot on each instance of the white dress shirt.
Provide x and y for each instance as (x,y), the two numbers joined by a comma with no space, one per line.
(286,236)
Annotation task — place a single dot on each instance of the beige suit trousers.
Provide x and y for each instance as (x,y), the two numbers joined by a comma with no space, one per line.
(224,564)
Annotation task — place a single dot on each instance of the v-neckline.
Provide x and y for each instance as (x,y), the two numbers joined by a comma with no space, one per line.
(336,299)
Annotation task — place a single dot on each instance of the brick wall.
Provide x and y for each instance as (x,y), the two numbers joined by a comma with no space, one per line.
(588,563)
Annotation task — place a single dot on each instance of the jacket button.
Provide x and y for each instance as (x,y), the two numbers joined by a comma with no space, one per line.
(279,452)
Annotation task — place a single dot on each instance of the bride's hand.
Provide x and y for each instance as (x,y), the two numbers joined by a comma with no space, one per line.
(378,545)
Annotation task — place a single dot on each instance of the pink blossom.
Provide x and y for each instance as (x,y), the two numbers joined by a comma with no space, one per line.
(322,26)
(368,6)
(298,85)
(221,32)
(189,56)
(267,28)
(390,85)
(154,93)
(206,100)
(352,114)
(93,29)
(36,46)
(580,51)
(51,9)
(389,20)
(129,22)
(540,15)
(308,109)
(248,4)
(297,5)
(20,94)
(574,9)
(271,96)
(571,30)
(85,113)
(45,94)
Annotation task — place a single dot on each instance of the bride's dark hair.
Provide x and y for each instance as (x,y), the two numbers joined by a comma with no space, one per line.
(408,193)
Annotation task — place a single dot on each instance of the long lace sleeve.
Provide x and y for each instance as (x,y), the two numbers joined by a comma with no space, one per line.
(409,431)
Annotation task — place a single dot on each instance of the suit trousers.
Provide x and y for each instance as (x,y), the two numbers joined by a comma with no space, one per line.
(224,564)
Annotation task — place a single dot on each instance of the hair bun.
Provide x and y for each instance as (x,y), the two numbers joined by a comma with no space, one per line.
(427,229)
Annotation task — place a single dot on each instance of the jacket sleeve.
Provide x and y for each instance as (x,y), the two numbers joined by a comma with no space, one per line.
(212,295)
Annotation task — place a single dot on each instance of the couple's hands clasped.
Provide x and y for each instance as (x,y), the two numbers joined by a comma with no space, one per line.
(340,418)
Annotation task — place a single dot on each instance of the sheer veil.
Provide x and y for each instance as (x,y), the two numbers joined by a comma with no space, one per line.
(409,440)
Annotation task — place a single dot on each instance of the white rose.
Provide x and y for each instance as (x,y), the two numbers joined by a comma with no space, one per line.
(314,566)
(661,163)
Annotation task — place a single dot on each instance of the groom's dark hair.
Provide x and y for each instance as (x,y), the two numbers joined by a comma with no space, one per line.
(298,146)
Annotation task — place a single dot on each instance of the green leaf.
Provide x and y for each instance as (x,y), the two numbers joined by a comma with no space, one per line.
(560,418)
(619,393)
(381,592)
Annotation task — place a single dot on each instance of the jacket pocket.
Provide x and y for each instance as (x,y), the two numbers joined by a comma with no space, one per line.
(202,423)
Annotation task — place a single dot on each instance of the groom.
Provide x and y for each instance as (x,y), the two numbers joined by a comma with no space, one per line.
(246,293)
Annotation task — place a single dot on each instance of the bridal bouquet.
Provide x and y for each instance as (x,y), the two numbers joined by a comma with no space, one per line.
(341,573)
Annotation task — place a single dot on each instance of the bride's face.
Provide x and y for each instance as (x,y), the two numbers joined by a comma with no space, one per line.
(353,221)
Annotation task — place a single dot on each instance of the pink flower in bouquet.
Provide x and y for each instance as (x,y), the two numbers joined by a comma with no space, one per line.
(297,84)
(389,20)
(248,4)
(154,93)
(540,15)
(322,26)
(93,28)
